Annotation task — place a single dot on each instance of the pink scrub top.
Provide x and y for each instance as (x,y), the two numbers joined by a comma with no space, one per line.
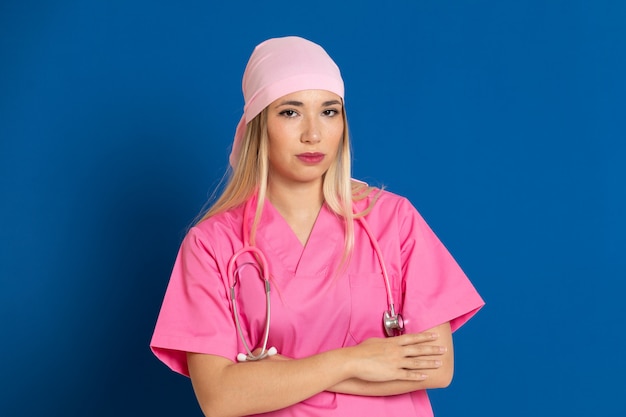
(314,309)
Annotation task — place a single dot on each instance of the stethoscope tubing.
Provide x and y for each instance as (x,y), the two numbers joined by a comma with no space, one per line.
(390,318)
(234,273)
(379,254)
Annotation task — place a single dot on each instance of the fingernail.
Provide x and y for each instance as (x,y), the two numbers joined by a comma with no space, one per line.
(443,349)
(437,363)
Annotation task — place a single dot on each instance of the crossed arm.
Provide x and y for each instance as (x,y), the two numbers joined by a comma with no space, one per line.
(376,367)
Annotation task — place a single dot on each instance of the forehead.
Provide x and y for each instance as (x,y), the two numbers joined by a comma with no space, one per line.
(308,97)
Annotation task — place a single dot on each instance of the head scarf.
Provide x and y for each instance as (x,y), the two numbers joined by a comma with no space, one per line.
(281,66)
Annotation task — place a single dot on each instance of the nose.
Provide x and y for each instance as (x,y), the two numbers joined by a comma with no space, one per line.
(311,132)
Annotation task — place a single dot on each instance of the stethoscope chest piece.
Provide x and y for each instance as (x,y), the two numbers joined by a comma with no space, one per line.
(393,323)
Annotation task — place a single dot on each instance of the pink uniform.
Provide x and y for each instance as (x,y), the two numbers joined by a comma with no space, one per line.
(313,308)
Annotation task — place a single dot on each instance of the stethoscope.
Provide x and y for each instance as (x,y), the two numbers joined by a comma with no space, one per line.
(393,323)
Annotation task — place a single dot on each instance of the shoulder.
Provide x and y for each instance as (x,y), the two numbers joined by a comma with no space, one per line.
(217,230)
(384,202)
(389,199)
(386,210)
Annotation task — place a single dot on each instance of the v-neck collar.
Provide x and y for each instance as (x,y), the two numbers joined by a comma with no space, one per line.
(318,256)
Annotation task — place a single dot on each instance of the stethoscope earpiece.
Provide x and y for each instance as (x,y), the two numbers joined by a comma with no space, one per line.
(242,357)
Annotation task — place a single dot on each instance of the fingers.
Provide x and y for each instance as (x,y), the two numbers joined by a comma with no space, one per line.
(423,350)
(415,338)
(410,356)
(405,357)
(421,364)
(420,344)
(420,352)
(408,345)
(420,358)
(411,375)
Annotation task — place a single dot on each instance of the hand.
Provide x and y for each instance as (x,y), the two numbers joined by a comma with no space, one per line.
(397,358)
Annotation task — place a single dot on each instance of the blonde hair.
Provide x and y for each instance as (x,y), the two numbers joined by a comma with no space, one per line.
(250,175)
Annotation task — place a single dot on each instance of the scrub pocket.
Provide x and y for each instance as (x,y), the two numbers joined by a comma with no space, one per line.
(368,303)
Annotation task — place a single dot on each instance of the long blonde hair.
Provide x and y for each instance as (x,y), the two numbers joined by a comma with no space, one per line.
(250,175)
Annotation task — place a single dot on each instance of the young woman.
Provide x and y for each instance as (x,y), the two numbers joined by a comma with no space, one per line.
(363,297)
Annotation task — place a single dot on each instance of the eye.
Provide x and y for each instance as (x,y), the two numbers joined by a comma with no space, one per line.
(330,112)
(288,113)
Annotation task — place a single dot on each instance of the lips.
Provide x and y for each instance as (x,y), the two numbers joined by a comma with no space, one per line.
(311,157)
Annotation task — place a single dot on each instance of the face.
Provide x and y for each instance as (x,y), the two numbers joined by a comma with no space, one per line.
(305,130)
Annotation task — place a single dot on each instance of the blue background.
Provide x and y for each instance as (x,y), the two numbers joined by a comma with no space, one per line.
(502,121)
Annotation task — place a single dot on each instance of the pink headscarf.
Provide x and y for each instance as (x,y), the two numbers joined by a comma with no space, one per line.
(281,66)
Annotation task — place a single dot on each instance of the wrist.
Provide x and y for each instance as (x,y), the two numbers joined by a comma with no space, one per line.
(345,363)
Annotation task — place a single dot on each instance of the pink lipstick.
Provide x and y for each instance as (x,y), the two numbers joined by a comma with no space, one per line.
(311,157)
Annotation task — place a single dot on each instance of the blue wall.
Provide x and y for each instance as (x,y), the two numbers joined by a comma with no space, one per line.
(502,121)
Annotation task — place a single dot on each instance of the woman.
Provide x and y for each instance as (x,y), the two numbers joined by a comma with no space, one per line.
(290,195)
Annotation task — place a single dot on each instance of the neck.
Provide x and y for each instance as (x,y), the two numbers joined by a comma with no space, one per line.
(299,204)
(296,199)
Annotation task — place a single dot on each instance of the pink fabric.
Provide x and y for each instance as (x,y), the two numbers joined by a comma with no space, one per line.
(281,66)
(312,309)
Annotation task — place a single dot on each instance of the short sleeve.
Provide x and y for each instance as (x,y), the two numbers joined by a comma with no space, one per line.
(195,315)
(436,290)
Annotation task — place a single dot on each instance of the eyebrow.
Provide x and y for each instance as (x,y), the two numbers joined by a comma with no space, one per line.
(300,104)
